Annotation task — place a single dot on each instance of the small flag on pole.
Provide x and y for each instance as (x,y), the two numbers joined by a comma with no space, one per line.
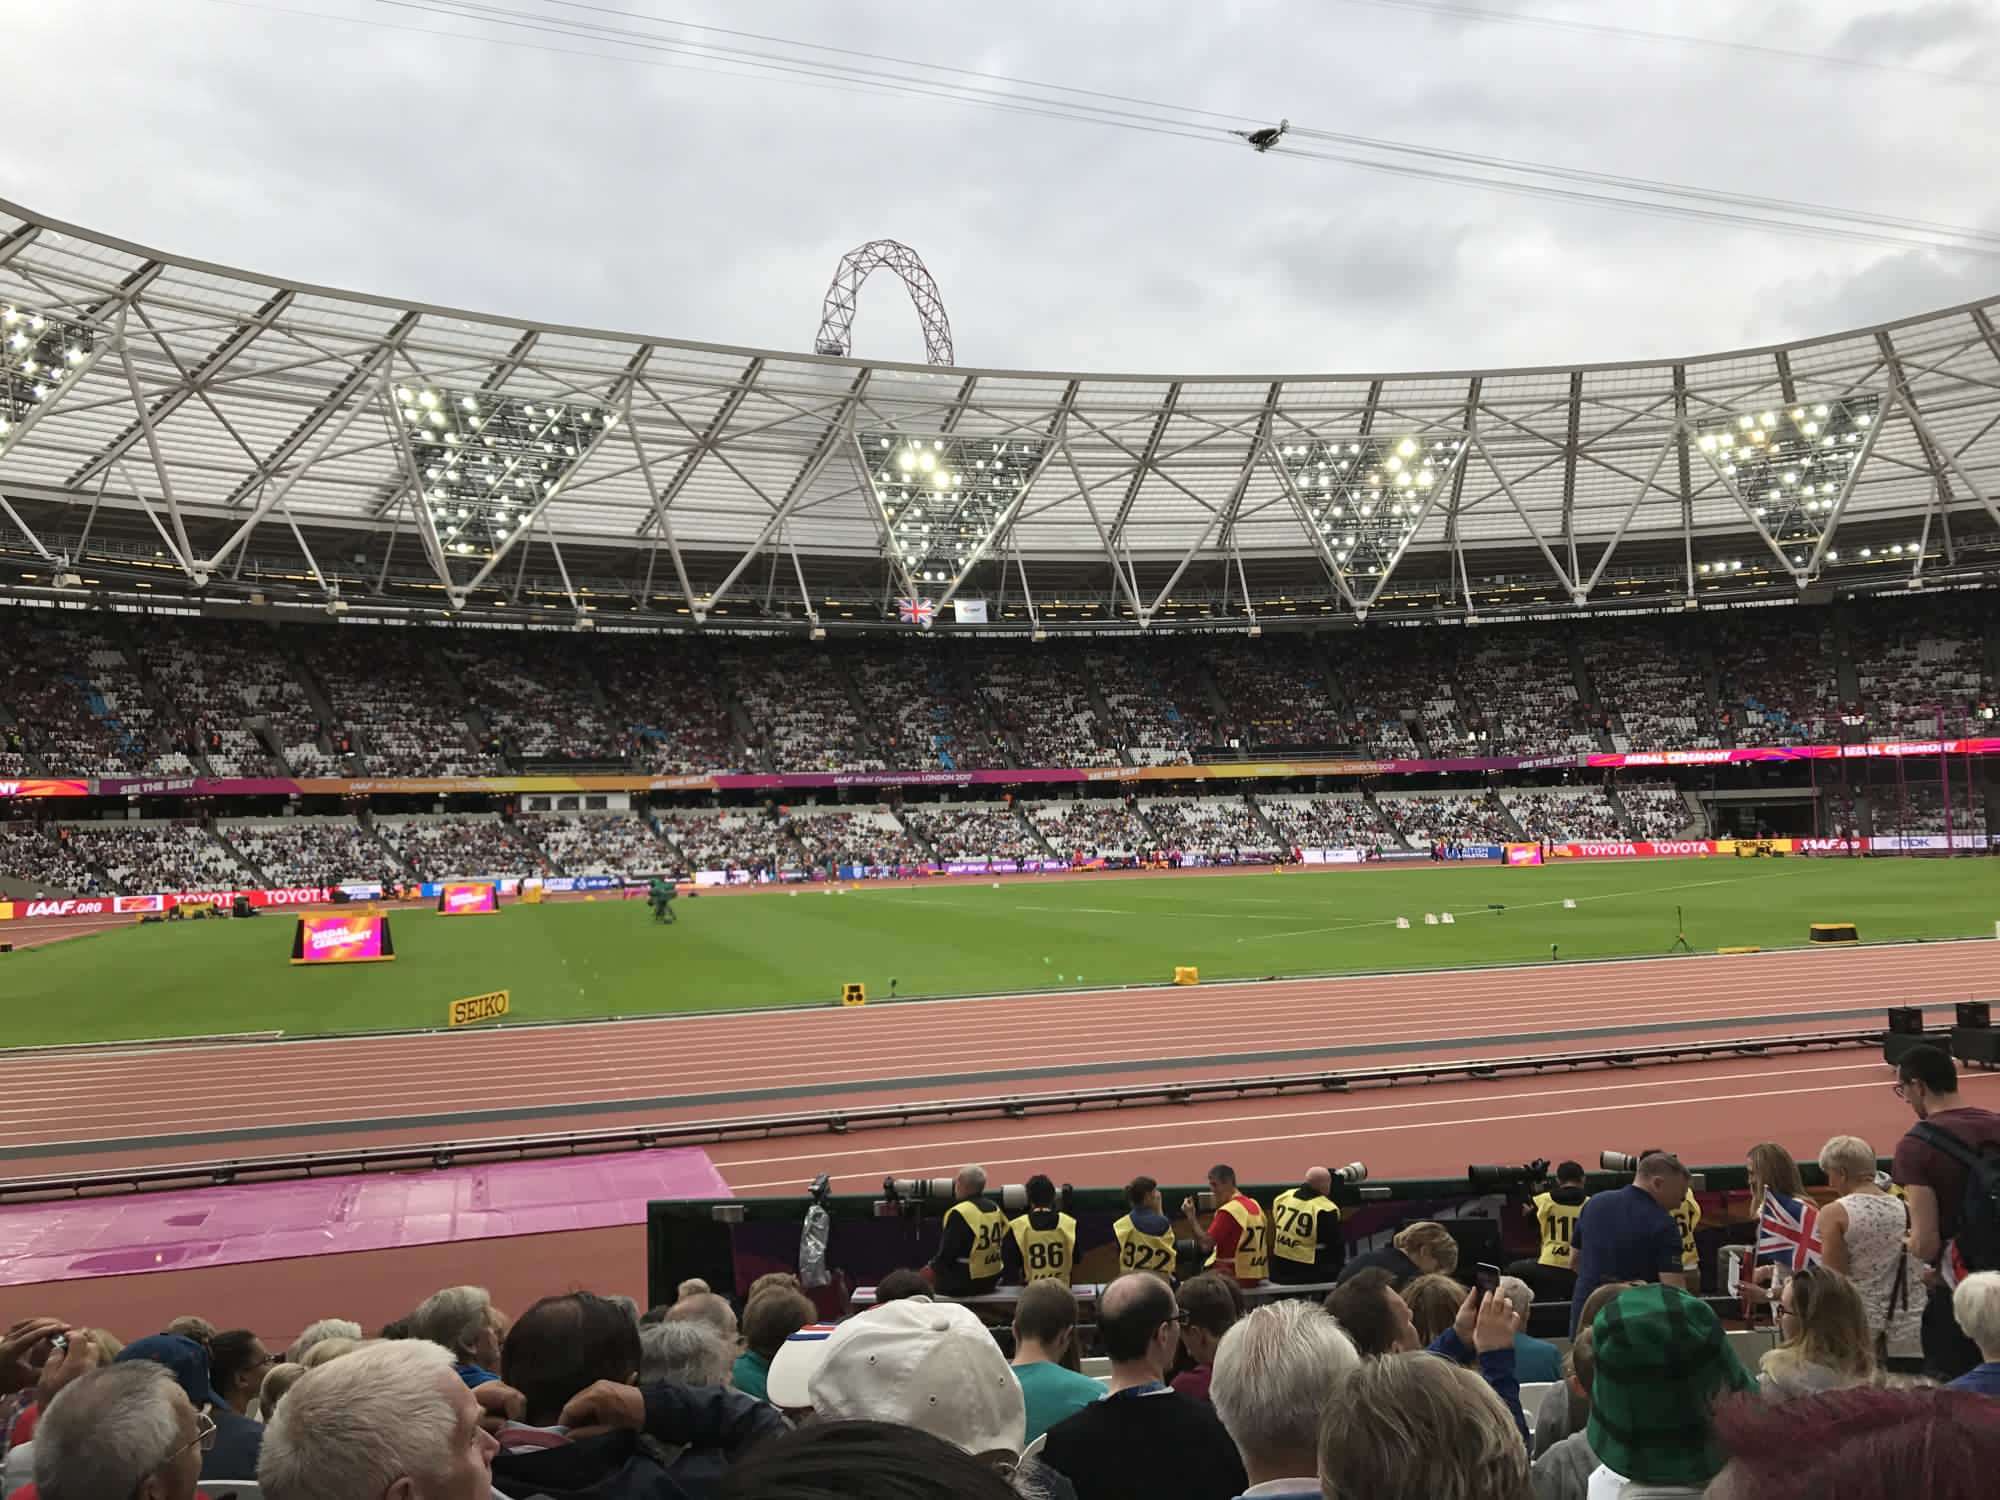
(915,611)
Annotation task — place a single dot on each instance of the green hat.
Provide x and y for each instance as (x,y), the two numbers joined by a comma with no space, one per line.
(1662,1363)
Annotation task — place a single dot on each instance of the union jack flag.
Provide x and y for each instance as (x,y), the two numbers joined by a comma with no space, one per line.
(915,611)
(1788,1232)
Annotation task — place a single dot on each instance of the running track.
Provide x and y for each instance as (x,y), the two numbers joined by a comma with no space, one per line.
(92,1110)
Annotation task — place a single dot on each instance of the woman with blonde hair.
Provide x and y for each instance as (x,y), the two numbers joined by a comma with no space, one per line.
(1434,1301)
(1824,1342)
(1862,1232)
(1420,1249)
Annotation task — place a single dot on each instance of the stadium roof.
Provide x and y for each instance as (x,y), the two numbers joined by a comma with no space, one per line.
(200,430)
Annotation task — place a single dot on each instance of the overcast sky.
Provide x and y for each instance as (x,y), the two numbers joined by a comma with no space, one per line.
(312,139)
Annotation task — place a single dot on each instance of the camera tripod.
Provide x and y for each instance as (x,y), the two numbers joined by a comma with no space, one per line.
(1680,943)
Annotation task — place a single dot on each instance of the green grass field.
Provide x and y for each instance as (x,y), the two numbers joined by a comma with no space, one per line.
(601,958)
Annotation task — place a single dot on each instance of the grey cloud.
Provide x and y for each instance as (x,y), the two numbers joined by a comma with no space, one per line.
(680,202)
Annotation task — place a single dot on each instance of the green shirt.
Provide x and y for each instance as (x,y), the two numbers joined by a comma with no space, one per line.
(659,889)
(749,1374)
(1053,1393)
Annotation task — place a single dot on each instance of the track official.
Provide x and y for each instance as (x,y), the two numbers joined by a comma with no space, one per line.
(972,1250)
(1306,1243)
(1041,1243)
(1238,1240)
(1145,1234)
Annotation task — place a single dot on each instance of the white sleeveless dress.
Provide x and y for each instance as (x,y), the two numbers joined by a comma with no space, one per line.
(1876,1224)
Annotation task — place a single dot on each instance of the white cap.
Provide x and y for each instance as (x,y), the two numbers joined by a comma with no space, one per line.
(930,1365)
(793,1365)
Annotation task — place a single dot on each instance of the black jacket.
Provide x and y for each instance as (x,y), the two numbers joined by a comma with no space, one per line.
(691,1435)
(1390,1259)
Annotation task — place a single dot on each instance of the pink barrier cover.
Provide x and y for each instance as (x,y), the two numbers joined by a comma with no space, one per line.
(237,1225)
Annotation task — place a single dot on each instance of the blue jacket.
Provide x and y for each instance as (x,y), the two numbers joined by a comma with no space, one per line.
(1496,1366)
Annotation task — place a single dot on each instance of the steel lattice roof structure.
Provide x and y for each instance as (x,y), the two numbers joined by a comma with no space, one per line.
(215,433)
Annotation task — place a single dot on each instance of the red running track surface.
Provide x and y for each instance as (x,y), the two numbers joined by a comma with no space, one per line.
(86,1110)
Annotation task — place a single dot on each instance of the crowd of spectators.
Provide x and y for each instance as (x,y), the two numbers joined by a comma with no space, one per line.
(1148,723)
(735,840)
(310,850)
(447,846)
(1216,827)
(150,855)
(1524,685)
(1912,807)
(1447,818)
(669,692)
(980,830)
(598,843)
(535,694)
(1651,682)
(1041,699)
(1921,668)
(76,700)
(926,717)
(202,668)
(1380,674)
(1342,820)
(391,697)
(1274,692)
(43,857)
(1091,828)
(1656,812)
(852,836)
(1778,677)
(800,711)
(1564,813)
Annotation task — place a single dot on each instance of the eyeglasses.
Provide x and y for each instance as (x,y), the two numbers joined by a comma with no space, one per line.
(1180,1319)
(204,1434)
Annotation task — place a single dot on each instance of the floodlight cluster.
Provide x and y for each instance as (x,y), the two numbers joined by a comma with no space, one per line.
(943,496)
(1791,465)
(40,354)
(485,461)
(1364,494)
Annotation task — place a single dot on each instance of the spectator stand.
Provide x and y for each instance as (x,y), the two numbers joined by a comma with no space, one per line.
(446,846)
(309,851)
(1208,830)
(926,715)
(800,709)
(621,844)
(1427,819)
(670,694)
(1041,698)
(1334,820)
(143,855)
(536,693)
(1564,814)
(976,830)
(1086,830)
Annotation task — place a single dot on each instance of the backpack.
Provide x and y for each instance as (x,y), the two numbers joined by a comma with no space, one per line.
(1976,1235)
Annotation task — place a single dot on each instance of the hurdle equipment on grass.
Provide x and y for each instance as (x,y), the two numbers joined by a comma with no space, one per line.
(1184,974)
(479,1008)
(1402,923)
(1446,919)
(1430,919)
(1834,932)
(854,994)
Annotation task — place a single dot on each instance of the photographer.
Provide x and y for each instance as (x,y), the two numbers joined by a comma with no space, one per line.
(1552,1274)
(1306,1244)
